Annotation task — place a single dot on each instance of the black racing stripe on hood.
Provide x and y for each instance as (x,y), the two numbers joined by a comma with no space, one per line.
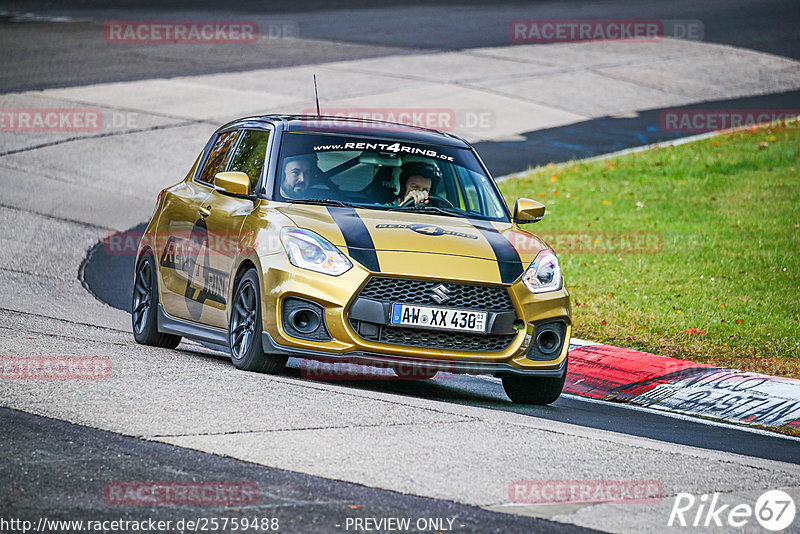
(356,236)
(509,263)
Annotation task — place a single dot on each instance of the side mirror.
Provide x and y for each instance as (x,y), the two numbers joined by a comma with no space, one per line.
(528,211)
(237,183)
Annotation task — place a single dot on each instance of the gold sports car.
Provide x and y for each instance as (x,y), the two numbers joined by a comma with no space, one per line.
(350,240)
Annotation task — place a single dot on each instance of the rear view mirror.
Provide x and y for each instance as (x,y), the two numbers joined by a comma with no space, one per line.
(237,183)
(528,211)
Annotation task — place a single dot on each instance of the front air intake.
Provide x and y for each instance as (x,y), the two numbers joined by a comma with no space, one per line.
(304,319)
(548,340)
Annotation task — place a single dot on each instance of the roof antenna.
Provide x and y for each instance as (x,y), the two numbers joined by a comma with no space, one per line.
(316,94)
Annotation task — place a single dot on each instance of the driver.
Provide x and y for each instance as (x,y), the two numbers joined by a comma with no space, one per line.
(416,181)
(298,172)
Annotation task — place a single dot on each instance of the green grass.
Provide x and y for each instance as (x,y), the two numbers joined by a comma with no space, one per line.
(727,210)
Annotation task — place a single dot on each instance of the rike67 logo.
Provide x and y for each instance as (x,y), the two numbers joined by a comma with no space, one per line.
(774,510)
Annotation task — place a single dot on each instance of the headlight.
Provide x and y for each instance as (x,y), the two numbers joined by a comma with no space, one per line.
(308,250)
(544,274)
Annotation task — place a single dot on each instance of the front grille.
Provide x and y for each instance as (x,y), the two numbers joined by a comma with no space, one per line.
(435,339)
(468,296)
(477,297)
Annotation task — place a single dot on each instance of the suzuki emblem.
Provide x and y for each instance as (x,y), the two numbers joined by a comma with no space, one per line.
(440,293)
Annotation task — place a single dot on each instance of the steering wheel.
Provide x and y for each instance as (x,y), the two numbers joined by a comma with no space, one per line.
(437,200)
(440,202)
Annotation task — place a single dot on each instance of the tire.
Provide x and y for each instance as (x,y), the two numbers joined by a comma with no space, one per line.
(538,390)
(244,330)
(144,306)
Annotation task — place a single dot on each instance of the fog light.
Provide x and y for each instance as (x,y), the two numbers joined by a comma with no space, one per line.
(304,320)
(548,341)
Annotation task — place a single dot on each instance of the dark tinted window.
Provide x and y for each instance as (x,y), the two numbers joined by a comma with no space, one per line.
(217,157)
(249,155)
(370,173)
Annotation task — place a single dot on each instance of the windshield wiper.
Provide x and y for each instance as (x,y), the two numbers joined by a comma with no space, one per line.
(450,212)
(325,202)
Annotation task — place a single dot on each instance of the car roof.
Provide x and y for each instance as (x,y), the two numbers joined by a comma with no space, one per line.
(356,126)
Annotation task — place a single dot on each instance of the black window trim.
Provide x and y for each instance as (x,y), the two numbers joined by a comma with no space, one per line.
(264,127)
(238,128)
(207,152)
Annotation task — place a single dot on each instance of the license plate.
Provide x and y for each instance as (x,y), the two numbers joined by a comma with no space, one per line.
(441,318)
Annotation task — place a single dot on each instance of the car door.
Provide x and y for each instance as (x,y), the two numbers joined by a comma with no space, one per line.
(226,217)
(185,261)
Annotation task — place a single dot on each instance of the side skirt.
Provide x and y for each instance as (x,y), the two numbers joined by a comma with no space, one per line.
(208,334)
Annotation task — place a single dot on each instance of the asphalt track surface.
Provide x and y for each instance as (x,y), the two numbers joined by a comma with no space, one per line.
(60,56)
(108,277)
(64,468)
(488,393)
(44,54)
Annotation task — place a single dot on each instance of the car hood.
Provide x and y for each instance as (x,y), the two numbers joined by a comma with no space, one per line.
(422,244)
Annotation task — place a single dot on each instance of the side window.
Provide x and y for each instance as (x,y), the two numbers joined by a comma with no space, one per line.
(250,154)
(217,157)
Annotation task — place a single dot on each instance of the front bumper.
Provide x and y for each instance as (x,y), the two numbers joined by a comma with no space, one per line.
(336,296)
(387,361)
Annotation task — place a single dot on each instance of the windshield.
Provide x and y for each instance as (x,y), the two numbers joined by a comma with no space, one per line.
(388,175)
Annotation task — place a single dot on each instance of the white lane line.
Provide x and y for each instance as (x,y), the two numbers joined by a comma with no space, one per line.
(581,342)
(683,417)
(15,16)
(673,415)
